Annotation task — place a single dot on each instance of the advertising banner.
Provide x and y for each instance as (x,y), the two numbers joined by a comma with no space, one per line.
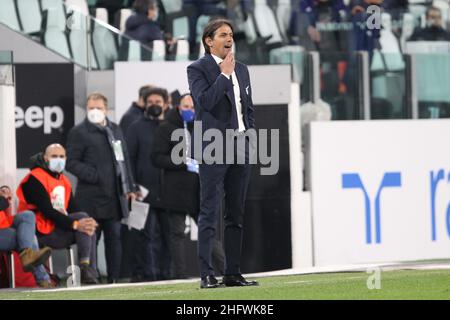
(45,107)
(380,191)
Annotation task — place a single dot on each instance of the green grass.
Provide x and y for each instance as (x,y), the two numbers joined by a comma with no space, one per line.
(403,284)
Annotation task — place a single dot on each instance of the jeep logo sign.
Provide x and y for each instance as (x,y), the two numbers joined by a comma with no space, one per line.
(36,117)
(45,107)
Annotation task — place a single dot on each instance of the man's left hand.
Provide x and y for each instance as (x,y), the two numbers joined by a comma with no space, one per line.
(131,196)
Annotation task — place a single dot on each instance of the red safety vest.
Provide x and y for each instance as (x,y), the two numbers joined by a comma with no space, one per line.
(6,220)
(56,189)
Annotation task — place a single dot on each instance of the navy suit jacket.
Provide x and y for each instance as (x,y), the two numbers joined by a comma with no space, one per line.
(214,96)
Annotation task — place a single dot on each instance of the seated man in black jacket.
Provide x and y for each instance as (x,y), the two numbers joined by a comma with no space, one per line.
(142,25)
(434,30)
(47,192)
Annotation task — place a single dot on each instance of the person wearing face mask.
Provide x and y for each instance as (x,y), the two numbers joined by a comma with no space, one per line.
(180,191)
(97,155)
(151,261)
(135,111)
(17,232)
(434,30)
(48,193)
(142,25)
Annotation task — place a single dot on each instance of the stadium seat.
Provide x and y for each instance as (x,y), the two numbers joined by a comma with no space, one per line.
(283,14)
(79,5)
(159,50)
(78,39)
(407,29)
(172,6)
(134,50)
(101,14)
(105,48)
(266,23)
(393,60)
(180,28)
(30,15)
(54,36)
(8,15)
(182,50)
(250,30)
(387,73)
(177,22)
(123,16)
(418,11)
(58,14)
(202,21)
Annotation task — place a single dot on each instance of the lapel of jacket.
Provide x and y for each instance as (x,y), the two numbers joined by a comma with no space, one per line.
(213,71)
(243,94)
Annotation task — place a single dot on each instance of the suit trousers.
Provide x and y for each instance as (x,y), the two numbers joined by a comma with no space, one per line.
(233,179)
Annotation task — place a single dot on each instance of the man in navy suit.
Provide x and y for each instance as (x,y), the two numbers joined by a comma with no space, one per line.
(221,90)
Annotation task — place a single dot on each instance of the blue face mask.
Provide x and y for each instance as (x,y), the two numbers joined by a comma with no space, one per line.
(57,164)
(188,115)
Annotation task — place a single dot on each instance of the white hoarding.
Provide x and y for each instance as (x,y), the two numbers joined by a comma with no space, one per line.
(380,190)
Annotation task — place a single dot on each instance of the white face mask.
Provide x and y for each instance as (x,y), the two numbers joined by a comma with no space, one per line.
(96,116)
(57,164)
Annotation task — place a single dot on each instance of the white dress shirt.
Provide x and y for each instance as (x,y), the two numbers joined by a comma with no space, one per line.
(237,95)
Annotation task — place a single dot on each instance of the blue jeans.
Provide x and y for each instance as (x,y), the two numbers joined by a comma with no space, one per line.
(21,235)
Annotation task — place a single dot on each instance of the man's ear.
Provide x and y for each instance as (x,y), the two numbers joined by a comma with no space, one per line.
(209,41)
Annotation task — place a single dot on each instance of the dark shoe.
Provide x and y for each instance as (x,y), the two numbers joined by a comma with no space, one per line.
(46,284)
(237,280)
(209,282)
(33,258)
(88,275)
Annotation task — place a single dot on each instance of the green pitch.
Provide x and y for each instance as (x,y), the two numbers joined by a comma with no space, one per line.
(403,284)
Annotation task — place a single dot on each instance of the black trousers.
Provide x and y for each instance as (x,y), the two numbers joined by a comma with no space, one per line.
(61,239)
(233,179)
(111,229)
(173,224)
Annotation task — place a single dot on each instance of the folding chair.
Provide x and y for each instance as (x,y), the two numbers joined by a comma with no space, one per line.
(12,273)
(72,264)
(10,266)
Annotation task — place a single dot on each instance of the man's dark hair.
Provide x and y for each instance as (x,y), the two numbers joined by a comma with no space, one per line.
(144,90)
(184,95)
(142,6)
(211,29)
(158,91)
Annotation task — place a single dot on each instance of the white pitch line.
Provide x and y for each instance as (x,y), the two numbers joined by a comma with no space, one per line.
(313,270)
